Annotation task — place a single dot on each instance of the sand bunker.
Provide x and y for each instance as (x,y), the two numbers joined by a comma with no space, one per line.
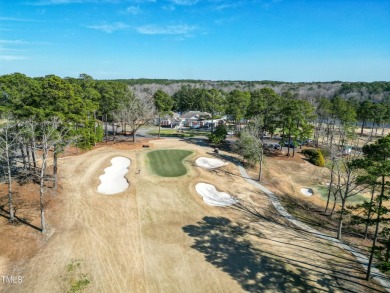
(307,191)
(213,197)
(209,163)
(113,180)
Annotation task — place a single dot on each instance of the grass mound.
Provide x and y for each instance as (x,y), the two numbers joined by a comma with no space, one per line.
(356,199)
(168,163)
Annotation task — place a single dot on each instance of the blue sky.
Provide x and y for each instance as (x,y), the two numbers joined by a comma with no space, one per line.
(284,40)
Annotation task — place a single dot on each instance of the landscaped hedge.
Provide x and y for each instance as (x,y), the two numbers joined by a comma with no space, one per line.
(325,152)
(315,157)
(219,134)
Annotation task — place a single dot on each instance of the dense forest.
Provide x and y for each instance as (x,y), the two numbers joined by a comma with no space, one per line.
(86,105)
(300,110)
(375,91)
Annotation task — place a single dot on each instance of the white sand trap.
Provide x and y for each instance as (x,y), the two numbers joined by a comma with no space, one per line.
(307,191)
(113,180)
(209,163)
(213,197)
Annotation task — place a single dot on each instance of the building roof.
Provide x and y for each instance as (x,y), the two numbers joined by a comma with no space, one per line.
(195,114)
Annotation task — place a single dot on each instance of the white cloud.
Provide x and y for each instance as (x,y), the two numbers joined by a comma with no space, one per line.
(55,2)
(228,5)
(133,10)
(169,7)
(166,30)
(109,28)
(143,1)
(12,42)
(12,57)
(18,19)
(184,2)
(270,3)
(64,2)
(10,50)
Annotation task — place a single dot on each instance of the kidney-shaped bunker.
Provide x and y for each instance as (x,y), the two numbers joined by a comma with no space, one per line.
(209,163)
(113,180)
(213,197)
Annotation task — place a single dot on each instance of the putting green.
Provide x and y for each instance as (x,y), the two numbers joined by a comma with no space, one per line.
(168,163)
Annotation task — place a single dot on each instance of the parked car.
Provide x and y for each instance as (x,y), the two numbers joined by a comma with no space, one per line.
(291,145)
(274,146)
(277,146)
(307,141)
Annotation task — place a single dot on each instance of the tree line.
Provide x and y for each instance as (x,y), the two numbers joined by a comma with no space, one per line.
(40,117)
(282,111)
(375,91)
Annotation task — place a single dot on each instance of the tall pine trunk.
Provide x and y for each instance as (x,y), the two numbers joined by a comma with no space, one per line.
(33,152)
(212,122)
(383,128)
(10,197)
(261,167)
(369,213)
(114,130)
(376,129)
(387,255)
(55,168)
(41,187)
(21,146)
(361,131)
(334,204)
(376,229)
(340,225)
(289,142)
(105,128)
(159,125)
(330,186)
(94,127)
(28,157)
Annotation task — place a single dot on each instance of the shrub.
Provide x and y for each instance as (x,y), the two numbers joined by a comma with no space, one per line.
(309,152)
(219,135)
(325,153)
(315,157)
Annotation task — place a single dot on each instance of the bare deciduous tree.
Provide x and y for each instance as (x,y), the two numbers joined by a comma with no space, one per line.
(135,112)
(346,174)
(50,135)
(250,145)
(8,143)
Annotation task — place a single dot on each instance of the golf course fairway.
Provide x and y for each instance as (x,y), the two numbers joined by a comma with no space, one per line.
(168,163)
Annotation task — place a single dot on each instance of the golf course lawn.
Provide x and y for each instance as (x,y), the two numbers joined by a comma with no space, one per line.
(168,163)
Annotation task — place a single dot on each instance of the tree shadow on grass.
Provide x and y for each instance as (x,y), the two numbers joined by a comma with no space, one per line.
(254,214)
(223,244)
(196,141)
(5,214)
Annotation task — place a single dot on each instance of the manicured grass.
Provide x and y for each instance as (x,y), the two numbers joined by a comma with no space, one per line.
(356,199)
(168,163)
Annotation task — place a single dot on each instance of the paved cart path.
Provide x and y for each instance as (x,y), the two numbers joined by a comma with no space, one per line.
(362,259)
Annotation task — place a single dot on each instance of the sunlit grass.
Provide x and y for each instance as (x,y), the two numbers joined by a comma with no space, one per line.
(168,163)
